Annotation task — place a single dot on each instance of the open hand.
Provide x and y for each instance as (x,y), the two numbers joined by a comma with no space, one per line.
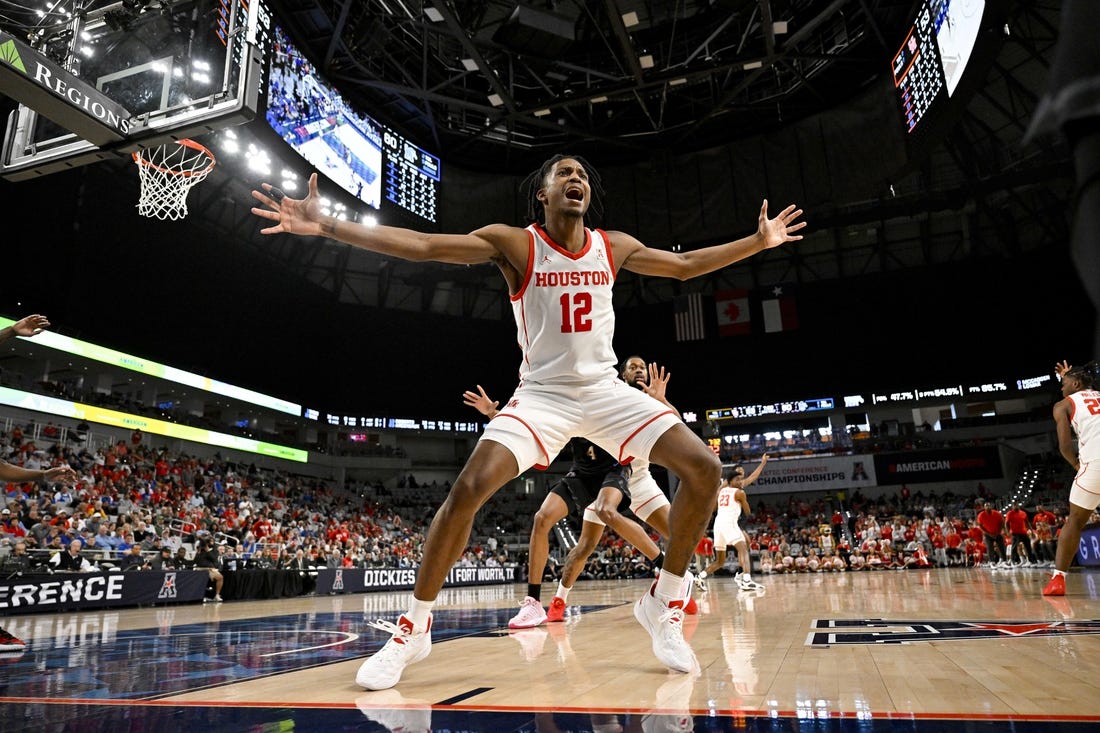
(480,402)
(780,229)
(292,216)
(30,325)
(658,382)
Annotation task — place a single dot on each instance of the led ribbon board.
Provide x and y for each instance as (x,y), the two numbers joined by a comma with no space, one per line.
(159,371)
(78,411)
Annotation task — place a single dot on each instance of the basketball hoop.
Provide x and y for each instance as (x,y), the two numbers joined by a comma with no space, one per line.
(167,173)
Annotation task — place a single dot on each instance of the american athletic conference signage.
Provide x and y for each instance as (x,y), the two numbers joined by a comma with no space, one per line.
(101,590)
(840,632)
(820,473)
(37,82)
(949,464)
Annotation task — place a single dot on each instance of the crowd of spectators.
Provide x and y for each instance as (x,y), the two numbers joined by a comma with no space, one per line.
(138,507)
(130,495)
(904,531)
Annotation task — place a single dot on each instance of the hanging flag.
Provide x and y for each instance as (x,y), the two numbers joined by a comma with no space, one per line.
(733,312)
(687,310)
(779,308)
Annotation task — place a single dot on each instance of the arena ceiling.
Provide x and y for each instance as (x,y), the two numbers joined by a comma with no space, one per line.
(495,86)
(494,82)
(723,70)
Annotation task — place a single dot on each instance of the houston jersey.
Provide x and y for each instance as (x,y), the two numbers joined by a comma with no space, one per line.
(1084,416)
(729,509)
(564,318)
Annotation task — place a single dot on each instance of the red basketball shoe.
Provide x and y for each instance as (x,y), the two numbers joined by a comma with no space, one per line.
(1056,586)
(556,612)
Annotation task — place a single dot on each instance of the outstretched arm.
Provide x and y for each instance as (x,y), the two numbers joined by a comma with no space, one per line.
(638,258)
(481,402)
(64,474)
(755,474)
(304,216)
(27,326)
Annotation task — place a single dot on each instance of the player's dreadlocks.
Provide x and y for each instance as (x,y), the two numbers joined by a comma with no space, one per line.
(1085,374)
(536,180)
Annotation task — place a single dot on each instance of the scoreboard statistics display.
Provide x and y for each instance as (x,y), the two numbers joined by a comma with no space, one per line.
(932,58)
(364,157)
(917,70)
(412,175)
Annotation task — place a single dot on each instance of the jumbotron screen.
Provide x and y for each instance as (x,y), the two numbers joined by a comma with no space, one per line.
(932,58)
(359,154)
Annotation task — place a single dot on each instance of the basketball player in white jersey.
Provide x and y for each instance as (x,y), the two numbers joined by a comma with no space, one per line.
(560,275)
(1078,413)
(732,501)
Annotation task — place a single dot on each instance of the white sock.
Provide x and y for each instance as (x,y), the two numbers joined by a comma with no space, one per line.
(746,576)
(703,575)
(563,592)
(668,587)
(1058,572)
(419,613)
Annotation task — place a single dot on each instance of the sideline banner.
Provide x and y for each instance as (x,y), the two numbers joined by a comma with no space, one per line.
(62,591)
(948,464)
(825,473)
(360,580)
(1088,551)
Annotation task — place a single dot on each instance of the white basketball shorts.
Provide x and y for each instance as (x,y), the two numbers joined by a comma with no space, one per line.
(539,419)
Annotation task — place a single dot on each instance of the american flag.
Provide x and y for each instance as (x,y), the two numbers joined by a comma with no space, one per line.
(687,311)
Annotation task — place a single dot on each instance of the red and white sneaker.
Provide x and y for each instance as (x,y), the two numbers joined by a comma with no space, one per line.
(691,608)
(9,643)
(1056,586)
(407,646)
(665,624)
(556,612)
(530,615)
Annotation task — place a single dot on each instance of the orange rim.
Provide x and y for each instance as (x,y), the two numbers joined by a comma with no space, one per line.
(187,143)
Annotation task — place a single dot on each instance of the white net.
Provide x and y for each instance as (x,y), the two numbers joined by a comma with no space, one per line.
(167,173)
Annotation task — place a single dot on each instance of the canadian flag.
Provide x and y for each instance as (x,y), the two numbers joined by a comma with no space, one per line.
(733,312)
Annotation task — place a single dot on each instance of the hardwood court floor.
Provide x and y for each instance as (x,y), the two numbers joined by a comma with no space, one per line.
(932,650)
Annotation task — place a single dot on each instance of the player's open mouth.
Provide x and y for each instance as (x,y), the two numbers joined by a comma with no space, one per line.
(575,194)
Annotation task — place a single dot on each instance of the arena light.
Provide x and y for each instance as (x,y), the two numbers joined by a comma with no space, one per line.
(86,350)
